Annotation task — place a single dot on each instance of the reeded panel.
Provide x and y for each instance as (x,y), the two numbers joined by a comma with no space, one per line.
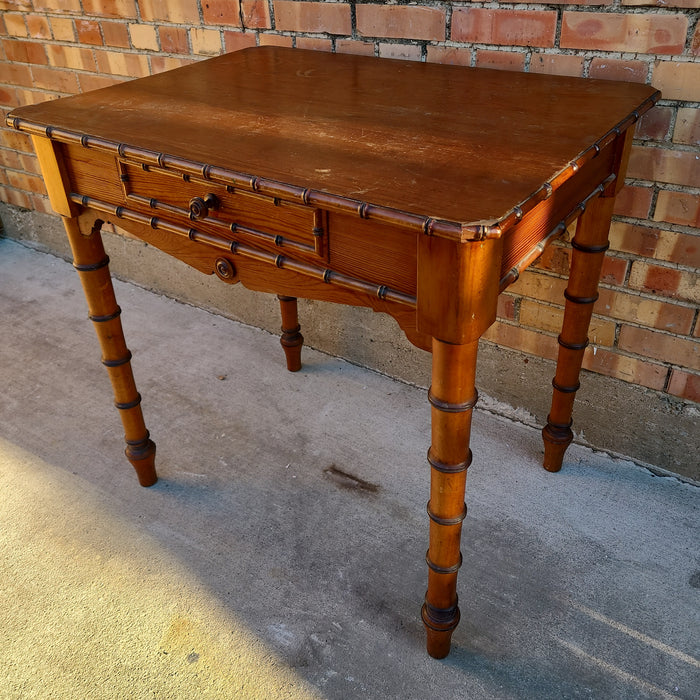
(377,252)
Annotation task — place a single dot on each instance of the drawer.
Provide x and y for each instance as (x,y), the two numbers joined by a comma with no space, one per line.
(261,221)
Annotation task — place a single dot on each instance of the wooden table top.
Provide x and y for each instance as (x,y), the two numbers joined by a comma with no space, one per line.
(458,144)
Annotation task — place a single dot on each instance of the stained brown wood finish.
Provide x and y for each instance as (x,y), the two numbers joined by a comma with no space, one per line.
(92,264)
(418,190)
(453,397)
(291,340)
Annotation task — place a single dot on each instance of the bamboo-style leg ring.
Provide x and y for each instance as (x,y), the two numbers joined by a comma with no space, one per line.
(589,246)
(291,340)
(92,264)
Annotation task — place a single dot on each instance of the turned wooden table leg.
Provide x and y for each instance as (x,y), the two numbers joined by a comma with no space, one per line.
(291,339)
(589,246)
(452,397)
(92,264)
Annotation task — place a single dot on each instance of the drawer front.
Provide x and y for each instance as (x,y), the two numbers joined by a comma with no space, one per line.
(264,222)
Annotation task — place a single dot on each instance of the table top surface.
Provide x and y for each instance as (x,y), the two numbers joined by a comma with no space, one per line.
(448,142)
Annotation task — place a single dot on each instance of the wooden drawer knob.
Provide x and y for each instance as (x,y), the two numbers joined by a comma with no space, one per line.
(200,206)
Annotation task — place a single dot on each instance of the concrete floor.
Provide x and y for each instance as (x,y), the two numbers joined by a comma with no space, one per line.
(255,569)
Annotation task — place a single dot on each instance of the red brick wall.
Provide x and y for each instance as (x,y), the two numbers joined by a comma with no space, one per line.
(646,329)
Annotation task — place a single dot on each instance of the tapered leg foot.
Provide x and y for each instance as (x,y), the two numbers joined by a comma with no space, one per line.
(439,632)
(556,439)
(91,262)
(291,340)
(143,459)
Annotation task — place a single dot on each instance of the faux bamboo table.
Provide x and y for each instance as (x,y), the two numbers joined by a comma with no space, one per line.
(418,190)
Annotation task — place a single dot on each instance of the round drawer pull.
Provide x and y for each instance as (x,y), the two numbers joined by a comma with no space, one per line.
(224,269)
(200,206)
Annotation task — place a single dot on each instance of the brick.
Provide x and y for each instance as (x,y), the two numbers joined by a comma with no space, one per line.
(361,48)
(671,246)
(90,81)
(58,80)
(8,96)
(31,97)
(329,18)
(506,307)
(630,33)
(500,60)
(611,303)
(256,14)
(115,34)
(523,339)
(557,64)
(175,11)
(678,208)
(16,140)
(314,43)
(275,40)
(452,56)
(684,385)
(695,44)
(58,5)
(634,201)
(14,24)
(173,39)
(88,31)
(663,3)
(205,41)
(624,367)
(409,52)
(15,74)
(19,51)
(550,318)
(29,163)
(71,57)
(664,165)
(642,310)
(127,64)
(41,204)
(539,286)
(25,181)
(235,41)
(38,27)
(565,2)
(684,352)
(614,270)
(687,126)
(15,5)
(677,81)
(557,259)
(16,198)
(504,27)
(401,22)
(159,64)
(666,281)
(62,29)
(9,159)
(221,12)
(143,36)
(123,9)
(617,69)
(655,124)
